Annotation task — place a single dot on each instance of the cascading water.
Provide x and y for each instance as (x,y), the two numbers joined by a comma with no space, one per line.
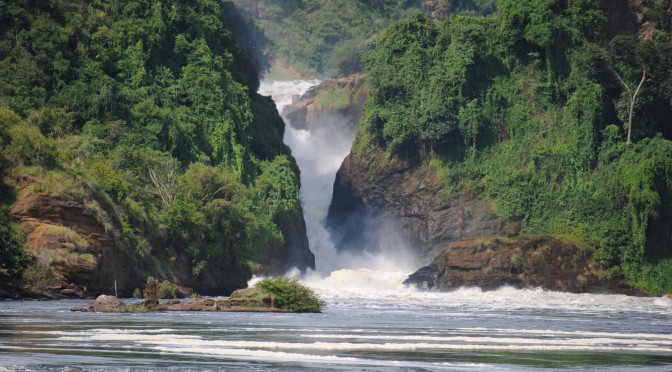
(319,153)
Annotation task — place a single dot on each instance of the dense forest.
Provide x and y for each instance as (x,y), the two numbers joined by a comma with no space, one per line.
(145,112)
(145,115)
(557,112)
(325,38)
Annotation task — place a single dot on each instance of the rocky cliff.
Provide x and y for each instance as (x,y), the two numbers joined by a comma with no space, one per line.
(79,241)
(397,169)
(462,237)
(339,100)
(410,196)
(81,249)
(407,195)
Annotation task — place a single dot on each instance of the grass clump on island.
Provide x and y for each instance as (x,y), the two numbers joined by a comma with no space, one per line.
(291,295)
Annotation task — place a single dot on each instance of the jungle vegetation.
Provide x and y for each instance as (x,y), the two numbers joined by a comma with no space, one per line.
(529,109)
(149,108)
(326,38)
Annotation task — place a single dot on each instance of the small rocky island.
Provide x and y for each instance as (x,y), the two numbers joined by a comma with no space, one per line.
(269,295)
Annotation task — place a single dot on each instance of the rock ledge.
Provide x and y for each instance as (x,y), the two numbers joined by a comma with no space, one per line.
(552,263)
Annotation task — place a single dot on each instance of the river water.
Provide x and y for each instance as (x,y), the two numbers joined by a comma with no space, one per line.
(371,321)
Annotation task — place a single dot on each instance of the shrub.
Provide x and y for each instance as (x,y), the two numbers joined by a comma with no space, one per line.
(291,295)
(13,258)
(30,147)
(137,293)
(151,289)
(167,290)
(40,277)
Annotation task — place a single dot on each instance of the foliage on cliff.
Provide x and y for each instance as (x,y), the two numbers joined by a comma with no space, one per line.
(526,108)
(328,37)
(153,106)
(13,259)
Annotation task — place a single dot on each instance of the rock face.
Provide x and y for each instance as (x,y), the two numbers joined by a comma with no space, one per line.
(411,197)
(294,254)
(80,242)
(341,100)
(489,263)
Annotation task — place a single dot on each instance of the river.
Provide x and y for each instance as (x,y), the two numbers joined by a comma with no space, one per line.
(371,321)
(360,329)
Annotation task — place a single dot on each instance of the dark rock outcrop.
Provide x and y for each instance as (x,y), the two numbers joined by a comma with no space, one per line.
(341,101)
(295,253)
(489,263)
(409,195)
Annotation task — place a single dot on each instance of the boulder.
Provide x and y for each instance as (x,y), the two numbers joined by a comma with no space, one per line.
(108,304)
(251,298)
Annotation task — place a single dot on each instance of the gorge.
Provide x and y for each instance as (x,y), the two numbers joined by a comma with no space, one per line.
(452,178)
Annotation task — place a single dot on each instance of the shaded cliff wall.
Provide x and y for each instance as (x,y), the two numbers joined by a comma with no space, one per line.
(410,196)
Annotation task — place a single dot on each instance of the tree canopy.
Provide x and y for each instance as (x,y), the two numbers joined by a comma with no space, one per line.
(525,109)
(153,106)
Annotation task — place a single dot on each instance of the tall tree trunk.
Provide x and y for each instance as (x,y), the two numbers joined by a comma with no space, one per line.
(631,96)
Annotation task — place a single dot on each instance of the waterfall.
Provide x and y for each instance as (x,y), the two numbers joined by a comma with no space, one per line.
(319,153)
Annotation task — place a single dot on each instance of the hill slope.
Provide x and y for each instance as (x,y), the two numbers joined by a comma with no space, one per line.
(528,111)
(133,143)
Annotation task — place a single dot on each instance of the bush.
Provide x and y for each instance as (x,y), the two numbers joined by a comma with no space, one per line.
(40,277)
(13,258)
(151,289)
(167,290)
(30,147)
(291,295)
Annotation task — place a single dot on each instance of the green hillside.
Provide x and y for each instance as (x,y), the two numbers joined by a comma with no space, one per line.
(328,37)
(527,109)
(149,110)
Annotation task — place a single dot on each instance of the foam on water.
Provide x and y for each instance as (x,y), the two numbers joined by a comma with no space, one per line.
(386,342)
(283,357)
